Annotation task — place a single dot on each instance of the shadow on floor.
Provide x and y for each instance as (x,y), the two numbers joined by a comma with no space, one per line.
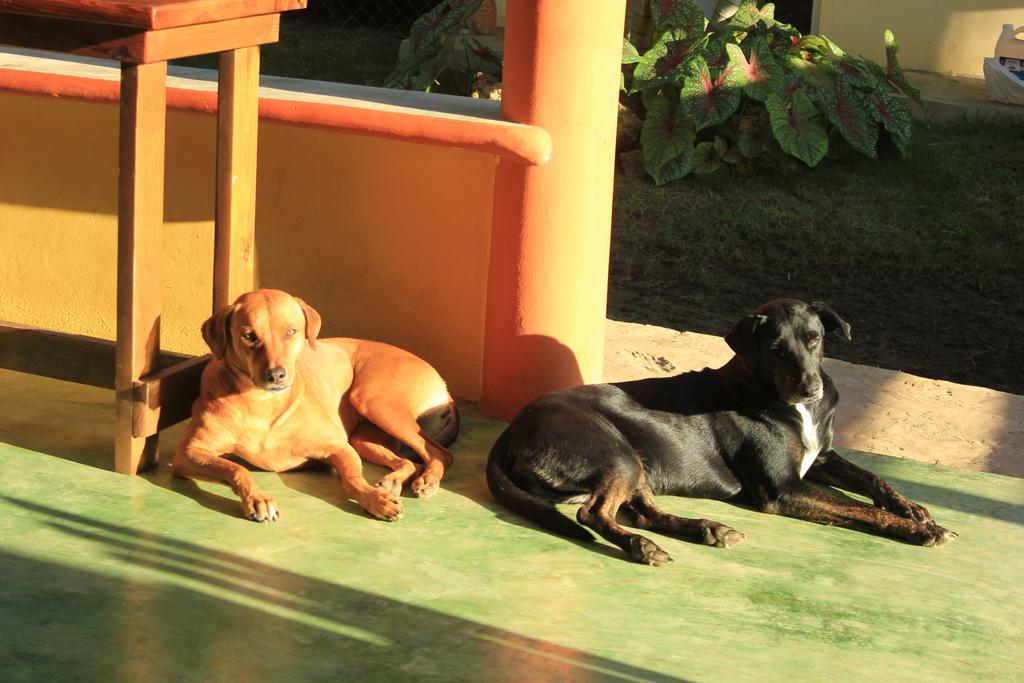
(155,608)
(929,494)
(53,433)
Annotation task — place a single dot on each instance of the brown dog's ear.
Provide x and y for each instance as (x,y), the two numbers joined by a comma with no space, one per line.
(312,322)
(830,319)
(217,329)
(742,338)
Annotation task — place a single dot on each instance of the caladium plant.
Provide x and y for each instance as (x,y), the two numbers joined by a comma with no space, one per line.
(439,57)
(723,94)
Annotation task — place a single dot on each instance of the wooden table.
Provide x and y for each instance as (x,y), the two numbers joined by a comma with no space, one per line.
(143,35)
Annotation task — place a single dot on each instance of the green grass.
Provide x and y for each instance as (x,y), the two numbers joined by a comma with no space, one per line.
(924,256)
(324,52)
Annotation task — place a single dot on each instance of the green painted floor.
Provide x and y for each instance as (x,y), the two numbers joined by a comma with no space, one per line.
(110,578)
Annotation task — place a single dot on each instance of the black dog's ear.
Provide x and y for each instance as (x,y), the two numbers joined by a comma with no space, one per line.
(741,338)
(217,329)
(830,319)
(312,322)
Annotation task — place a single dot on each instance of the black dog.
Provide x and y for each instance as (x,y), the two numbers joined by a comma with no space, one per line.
(747,432)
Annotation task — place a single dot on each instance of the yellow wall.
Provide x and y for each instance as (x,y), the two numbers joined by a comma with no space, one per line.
(945,36)
(388,240)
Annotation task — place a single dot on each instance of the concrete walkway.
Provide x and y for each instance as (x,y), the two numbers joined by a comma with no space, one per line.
(949,98)
(881,411)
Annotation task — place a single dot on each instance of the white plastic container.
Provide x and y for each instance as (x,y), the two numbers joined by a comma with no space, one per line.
(1009,45)
(1004,72)
(1010,50)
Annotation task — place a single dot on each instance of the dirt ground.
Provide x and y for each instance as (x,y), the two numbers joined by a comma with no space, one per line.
(943,332)
(881,411)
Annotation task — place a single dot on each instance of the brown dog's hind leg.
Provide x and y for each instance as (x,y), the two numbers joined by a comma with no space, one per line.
(600,510)
(832,469)
(647,515)
(374,445)
(394,416)
(375,500)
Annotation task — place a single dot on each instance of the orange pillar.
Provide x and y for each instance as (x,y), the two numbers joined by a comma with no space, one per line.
(548,278)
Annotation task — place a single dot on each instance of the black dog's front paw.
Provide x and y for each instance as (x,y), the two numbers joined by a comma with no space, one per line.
(906,508)
(910,510)
(646,551)
(721,536)
(936,536)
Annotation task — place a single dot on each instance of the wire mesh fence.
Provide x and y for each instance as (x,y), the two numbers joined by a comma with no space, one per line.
(387,14)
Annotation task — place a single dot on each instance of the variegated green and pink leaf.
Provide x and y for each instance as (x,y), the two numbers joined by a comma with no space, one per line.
(797,127)
(894,72)
(848,111)
(706,159)
(667,139)
(748,16)
(757,73)
(710,99)
(667,61)
(678,14)
(894,116)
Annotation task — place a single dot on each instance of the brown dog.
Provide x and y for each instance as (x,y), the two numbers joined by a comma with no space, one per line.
(278,397)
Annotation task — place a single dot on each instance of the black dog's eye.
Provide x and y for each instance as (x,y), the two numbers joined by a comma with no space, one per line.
(250,338)
(290,333)
(813,341)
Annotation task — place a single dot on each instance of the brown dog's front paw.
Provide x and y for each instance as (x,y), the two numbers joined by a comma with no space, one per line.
(260,508)
(646,551)
(424,488)
(390,485)
(383,505)
(722,536)
(429,481)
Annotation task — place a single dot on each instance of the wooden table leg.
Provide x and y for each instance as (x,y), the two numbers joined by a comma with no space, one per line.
(139,250)
(237,120)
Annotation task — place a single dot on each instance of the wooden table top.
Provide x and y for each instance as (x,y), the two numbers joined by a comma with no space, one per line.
(151,14)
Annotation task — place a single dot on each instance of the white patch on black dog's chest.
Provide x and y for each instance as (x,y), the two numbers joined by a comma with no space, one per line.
(809,438)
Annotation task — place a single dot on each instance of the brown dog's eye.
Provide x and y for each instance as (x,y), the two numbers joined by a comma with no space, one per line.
(290,333)
(250,338)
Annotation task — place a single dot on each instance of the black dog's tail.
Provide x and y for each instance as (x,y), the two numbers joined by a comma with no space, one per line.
(534,508)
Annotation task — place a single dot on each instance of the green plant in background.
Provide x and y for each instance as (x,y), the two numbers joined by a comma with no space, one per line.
(439,57)
(749,87)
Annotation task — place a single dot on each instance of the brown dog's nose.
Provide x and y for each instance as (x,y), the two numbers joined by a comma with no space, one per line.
(275,376)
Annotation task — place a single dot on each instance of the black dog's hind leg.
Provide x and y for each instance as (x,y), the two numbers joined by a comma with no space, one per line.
(805,502)
(647,515)
(832,469)
(600,510)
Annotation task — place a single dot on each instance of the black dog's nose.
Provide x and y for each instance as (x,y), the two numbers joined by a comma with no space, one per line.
(275,375)
(813,389)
